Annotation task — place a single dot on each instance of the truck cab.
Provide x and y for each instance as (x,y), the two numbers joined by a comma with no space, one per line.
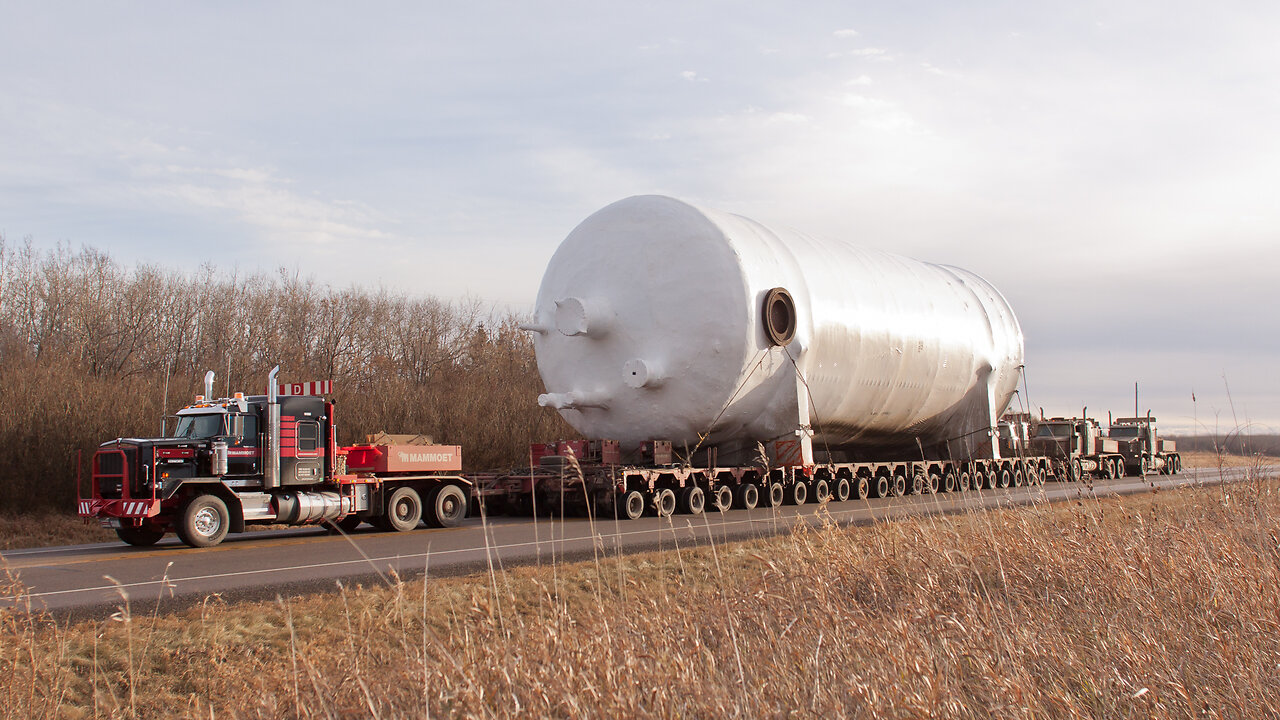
(267,459)
(1144,451)
(1078,447)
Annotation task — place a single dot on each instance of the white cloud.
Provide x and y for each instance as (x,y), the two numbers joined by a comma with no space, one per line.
(846,33)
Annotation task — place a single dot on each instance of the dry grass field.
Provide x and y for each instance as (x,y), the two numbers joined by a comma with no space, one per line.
(47,528)
(1160,605)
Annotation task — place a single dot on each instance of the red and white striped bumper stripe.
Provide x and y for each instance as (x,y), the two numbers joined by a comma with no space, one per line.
(118,508)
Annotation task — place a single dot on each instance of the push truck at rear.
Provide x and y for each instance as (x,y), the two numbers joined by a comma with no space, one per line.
(271,459)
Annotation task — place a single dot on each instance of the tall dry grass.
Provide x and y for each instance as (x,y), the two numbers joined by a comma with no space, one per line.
(1162,605)
(91,350)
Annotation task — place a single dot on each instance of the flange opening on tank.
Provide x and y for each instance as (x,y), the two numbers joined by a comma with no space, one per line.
(779,316)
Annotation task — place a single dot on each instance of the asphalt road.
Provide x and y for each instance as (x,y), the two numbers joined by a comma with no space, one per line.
(92,580)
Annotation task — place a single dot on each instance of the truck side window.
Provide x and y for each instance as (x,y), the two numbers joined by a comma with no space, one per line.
(250,429)
(308,436)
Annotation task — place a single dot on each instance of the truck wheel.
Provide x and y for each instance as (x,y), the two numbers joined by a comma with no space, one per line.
(862,487)
(722,498)
(1005,478)
(204,521)
(963,482)
(1019,477)
(692,500)
(630,504)
(1077,471)
(918,484)
(403,510)
(821,491)
(350,522)
(664,502)
(880,486)
(799,493)
(447,506)
(935,483)
(842,489)
(143,536)
(898,485)
(747,496)
(775,495)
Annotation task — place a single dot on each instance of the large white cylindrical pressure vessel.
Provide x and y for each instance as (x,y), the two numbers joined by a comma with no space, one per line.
(659,320)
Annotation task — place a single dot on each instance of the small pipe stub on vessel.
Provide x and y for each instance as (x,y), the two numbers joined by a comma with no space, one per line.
(578,316)
(639,373)
(573,400)
(779,315)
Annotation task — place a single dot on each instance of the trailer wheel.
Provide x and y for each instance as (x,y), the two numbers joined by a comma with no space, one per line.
(993,480)
(963,482)
(692,500)
(1006,478)
(403,510)
(918,484)
(842,489)
(447,506)
(949,481)
(899,485)
(799,493)
(862,490)
(775,494)
(204,521)
(935,483)
(1019,477)
(821,491)
(722,498)
(664,502)
(880,486)
(631,504)
(143,536)
(747,496)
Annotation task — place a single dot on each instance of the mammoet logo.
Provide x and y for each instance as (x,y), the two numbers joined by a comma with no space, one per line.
(421,457)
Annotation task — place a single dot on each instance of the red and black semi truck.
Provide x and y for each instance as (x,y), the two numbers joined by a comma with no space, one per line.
(271,459)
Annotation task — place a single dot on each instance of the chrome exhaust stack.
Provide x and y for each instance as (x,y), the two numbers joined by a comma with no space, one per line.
(208,385)
(271,453)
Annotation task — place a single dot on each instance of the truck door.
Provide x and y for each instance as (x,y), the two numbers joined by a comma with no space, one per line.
(244,456)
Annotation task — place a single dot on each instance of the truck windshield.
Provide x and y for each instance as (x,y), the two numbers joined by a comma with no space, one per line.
(199,426)
(1054,431)
(1124,432)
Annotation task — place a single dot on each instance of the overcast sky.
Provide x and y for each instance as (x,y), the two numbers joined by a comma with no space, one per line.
(1112,167)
